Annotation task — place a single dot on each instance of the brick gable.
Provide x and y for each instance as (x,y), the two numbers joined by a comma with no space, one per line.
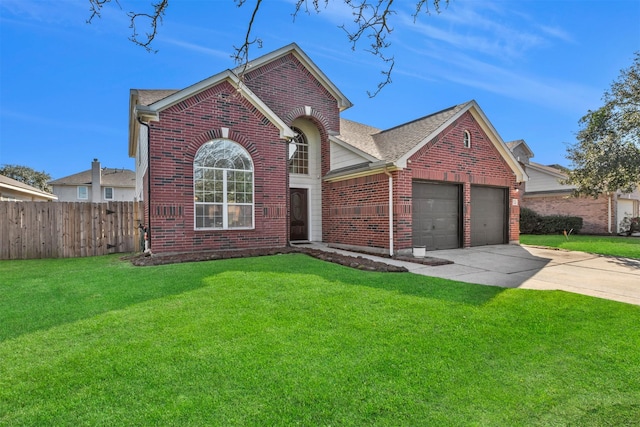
(286,86)
(175,139)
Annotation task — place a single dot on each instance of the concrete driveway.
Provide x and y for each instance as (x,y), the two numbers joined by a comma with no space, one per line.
(531,267)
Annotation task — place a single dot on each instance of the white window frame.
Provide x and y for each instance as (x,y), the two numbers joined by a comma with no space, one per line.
(112,193)
(299,145)
(225,201)
(466,139)
(86,192)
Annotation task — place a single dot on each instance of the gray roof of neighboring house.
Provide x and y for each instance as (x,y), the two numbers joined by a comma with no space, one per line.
(391,144)
(7,182)
(111,177)
(548,169)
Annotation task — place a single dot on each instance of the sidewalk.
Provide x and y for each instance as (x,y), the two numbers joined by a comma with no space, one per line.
(529,267)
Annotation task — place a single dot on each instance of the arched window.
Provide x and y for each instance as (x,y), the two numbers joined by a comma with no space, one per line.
(467,139)
(223,186)
(299,153)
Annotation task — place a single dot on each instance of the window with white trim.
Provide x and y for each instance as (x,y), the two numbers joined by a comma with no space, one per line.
(108,193)
(223,186)
(467,139)
(299,153)
(83,192)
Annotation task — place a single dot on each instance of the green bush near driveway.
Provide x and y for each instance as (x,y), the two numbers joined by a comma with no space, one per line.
(291,340)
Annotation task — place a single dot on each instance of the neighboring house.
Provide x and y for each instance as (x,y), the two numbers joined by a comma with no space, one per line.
(545,194)
(16,191)
(262,159)
(96,185)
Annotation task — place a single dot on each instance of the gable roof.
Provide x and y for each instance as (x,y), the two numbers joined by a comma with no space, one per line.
(21,187)
(396,145)
(520,143)
(294,49)
(401,142)
(111,177)
(548,170)
(163,99)
(147,104)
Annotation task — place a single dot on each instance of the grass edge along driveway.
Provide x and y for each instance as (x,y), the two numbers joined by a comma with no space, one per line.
(289,339)
(618,246)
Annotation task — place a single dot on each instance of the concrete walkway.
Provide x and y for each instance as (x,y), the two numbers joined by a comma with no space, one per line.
(529,267)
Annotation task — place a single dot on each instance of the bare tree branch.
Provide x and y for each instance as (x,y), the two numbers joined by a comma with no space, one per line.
(153,19)
(95,7)
(241,54)
(371,20)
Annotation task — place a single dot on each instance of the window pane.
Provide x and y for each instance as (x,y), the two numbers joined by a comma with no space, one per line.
(240,216)
(208,216)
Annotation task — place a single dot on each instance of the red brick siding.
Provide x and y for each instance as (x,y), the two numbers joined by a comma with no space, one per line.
(286,86)
(357,211)
(182,129)
(594,212)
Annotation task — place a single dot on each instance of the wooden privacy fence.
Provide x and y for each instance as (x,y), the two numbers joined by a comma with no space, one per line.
(68,229)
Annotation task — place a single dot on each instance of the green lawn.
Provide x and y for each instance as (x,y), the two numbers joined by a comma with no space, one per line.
(628,247)
(291,340)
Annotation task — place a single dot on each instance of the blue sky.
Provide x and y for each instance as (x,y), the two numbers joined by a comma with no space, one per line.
(535,67)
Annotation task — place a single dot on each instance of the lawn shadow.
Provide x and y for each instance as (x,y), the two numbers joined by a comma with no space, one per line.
(398,282)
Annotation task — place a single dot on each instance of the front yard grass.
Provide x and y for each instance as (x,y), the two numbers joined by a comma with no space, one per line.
(628,247)
(291,340)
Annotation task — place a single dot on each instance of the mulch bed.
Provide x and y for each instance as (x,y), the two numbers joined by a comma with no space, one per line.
(357,262)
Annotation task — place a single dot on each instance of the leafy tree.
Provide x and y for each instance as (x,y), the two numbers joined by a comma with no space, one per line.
(28,176)
(371,19)
(606,157)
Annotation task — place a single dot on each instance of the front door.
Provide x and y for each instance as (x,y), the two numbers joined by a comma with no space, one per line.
(299,214)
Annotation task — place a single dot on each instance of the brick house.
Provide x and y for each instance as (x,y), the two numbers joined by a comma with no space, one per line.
(261,158)
(545,194)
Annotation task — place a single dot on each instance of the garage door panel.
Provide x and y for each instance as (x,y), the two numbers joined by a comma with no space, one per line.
(436,215)
(488,216)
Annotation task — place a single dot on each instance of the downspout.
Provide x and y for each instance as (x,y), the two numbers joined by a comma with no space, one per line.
(390,211)
(148,242)
(609,215)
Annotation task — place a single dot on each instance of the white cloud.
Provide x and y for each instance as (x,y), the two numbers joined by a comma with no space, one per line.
(197,48)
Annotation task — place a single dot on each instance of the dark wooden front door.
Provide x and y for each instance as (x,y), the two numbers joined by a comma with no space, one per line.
(299,214)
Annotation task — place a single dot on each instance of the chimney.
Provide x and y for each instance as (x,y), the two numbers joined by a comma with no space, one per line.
(96,182)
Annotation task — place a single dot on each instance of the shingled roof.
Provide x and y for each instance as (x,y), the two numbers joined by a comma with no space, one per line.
(391,144)
(397,144)
(15,185)
(111,177)
(149,96)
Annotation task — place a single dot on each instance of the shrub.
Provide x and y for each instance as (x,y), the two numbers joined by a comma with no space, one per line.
(555,224)
(529,221)
(534,223)
(630,225)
